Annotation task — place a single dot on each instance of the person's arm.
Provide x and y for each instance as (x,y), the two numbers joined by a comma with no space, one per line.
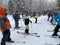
(30,21)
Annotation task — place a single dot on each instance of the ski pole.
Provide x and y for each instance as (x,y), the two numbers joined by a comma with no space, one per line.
(31,28)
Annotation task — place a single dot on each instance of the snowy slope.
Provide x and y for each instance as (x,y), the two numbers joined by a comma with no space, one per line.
(41,28)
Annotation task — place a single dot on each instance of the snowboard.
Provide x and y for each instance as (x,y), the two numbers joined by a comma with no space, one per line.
(52,36)
(30,34)
(51,31)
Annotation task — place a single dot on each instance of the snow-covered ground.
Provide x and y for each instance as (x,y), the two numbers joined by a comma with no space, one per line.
(41,28)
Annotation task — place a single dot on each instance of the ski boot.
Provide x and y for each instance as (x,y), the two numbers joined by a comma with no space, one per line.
(26,31)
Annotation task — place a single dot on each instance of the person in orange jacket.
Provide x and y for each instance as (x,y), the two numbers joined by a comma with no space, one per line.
(4,26)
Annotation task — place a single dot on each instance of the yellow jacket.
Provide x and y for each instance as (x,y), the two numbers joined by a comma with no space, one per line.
(35,16)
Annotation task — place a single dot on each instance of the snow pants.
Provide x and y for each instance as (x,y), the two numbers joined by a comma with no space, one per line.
(6,37)
(56,29)
(27,26)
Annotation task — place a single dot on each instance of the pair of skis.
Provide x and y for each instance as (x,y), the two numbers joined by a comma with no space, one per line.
(30,34)
(51,35)
(15,42)
(51,31)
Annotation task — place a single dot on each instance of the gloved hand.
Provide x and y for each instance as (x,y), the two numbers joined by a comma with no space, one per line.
(19,18)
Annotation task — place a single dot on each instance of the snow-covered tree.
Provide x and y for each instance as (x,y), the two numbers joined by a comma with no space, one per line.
(10,7)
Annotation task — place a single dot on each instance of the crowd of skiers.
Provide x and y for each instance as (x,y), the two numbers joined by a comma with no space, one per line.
(5,24)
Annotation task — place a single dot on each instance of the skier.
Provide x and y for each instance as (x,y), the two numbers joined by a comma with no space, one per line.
(26,21)
(49,15)
(4,26)
(57,19)
(16,18)
(35,18)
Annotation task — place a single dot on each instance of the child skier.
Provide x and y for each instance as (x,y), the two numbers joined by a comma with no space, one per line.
(57,19)
(26,21)
(4,26)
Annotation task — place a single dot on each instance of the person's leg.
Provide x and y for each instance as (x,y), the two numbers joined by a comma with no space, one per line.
(27,29)
(8,33)
(48,18)
(36,20)
(16,24)
(8,37)
(55,31)
(3,41)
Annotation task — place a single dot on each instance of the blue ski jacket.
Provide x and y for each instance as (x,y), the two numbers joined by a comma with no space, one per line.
(57,19)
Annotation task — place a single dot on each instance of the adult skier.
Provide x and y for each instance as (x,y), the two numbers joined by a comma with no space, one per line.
(4,26)
(16,17)
(49,15)
(57,19)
